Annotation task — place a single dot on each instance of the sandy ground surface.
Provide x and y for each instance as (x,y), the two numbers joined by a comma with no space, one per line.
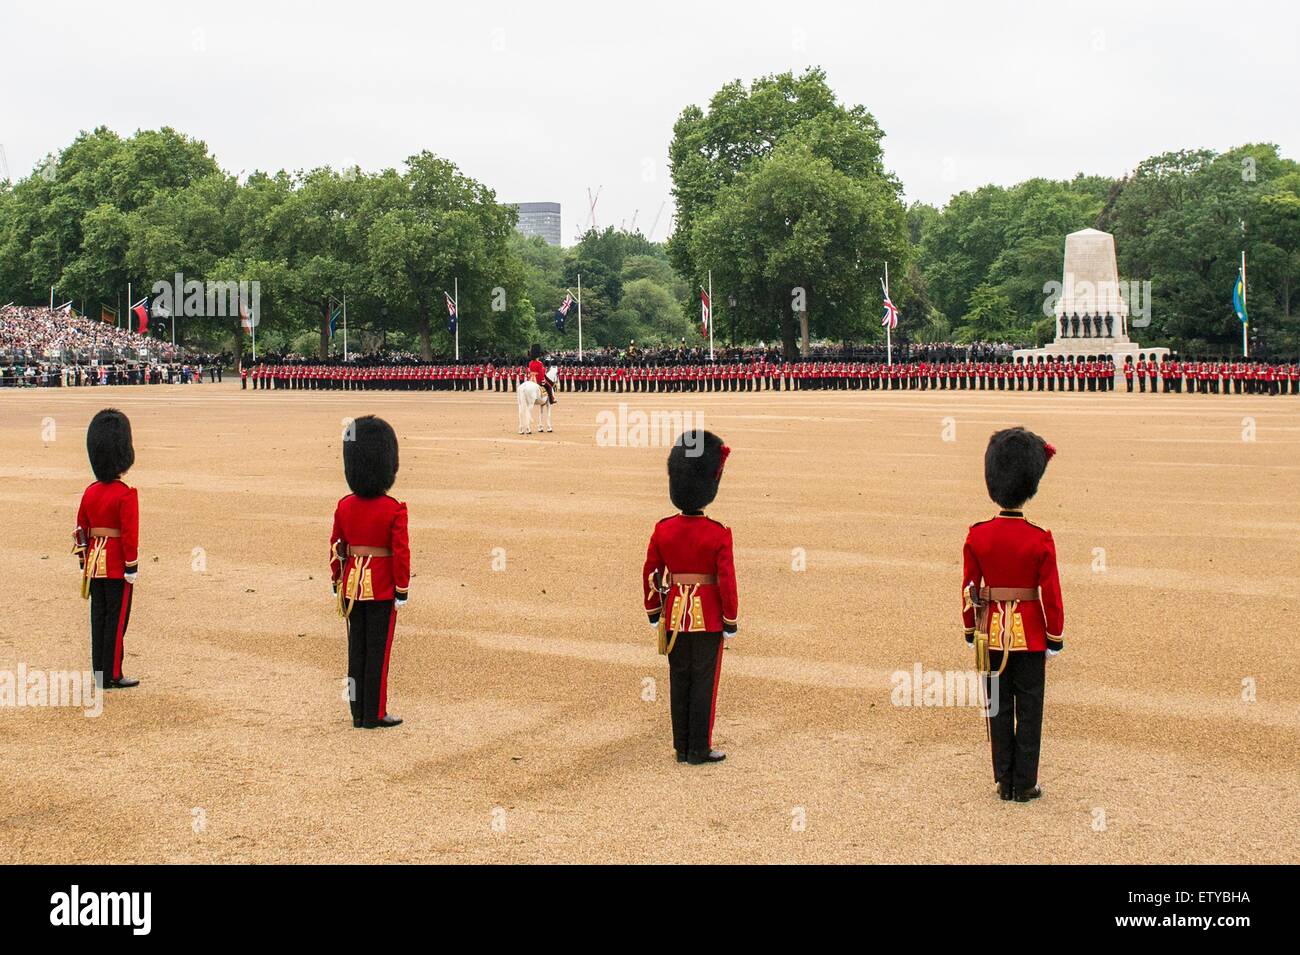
(537,718)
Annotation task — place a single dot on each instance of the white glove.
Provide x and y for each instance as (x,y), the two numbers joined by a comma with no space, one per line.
(399,603)
(130,578)
(1053,653)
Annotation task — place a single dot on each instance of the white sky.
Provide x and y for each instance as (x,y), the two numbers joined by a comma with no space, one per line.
(543,100)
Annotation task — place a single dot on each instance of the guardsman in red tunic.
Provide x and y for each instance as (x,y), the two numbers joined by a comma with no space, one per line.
(689,585)
(1011,608)
(537,372)
(370,565)
(106,542)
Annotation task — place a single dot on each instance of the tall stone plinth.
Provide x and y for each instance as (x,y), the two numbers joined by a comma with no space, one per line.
(1091,313)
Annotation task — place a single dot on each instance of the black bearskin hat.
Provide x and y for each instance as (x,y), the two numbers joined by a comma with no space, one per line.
(1014,463)
(535,351)
(370,456)
(108,443)
(695,469)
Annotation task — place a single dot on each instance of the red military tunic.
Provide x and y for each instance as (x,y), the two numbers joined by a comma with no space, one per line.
(109,505)
(371,522)
(692,544)
(1009,551)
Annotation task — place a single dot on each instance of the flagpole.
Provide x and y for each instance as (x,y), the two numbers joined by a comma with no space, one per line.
(128,304)
(579,316)
(1245,326)
(711,315)
(345,327)
(455,297)
(889,325)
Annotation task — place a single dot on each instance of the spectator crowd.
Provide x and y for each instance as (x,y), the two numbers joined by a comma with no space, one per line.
(49,347)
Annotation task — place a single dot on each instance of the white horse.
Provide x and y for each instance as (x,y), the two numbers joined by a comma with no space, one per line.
(530,393)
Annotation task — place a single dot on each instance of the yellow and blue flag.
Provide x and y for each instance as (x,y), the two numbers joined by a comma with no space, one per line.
(1239,298)
(336,313)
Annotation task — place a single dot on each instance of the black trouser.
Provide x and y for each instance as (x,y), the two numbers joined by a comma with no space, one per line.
(1017,729)
(110,612)
(370,639)
(693,666)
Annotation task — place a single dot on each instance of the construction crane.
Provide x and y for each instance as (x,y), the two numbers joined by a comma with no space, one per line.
(655,224)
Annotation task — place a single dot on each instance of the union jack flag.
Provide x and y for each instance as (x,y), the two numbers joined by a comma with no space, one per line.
(890,318)
(563,311)
(451,313)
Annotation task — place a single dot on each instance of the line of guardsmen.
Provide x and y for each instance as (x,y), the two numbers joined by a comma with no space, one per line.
(1091,373)
(1212,376)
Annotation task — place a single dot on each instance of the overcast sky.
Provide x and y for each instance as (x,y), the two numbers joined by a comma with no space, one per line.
(542,101)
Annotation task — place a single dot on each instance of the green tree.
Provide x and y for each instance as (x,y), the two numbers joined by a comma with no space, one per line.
(782,193)
(989,317)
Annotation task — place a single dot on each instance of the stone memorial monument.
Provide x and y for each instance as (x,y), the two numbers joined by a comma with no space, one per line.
(1091,312)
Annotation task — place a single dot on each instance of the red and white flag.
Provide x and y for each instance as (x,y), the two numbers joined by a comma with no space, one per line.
(706,313)
(141,310)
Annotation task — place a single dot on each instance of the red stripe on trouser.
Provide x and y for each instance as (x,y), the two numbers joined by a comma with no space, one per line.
(122,617)
(383,678)
(717,675)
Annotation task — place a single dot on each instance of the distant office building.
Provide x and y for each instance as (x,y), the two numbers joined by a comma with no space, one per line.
(540,218)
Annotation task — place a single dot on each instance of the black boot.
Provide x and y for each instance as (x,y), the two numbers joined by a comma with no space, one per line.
(698,756)
(385,722)
(1024,795)
(1005,792)
(681,756)
(123,683)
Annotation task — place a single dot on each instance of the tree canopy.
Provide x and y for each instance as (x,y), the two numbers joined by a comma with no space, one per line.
(782,194)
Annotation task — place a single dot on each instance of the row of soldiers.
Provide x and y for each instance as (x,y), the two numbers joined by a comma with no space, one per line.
(1095,373)
(1206,376)
(1090,373)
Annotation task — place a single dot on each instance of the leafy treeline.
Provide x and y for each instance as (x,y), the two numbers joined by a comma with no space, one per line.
(109,211)
(781,188)
(630,291)
(781,193)
(1181,222)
